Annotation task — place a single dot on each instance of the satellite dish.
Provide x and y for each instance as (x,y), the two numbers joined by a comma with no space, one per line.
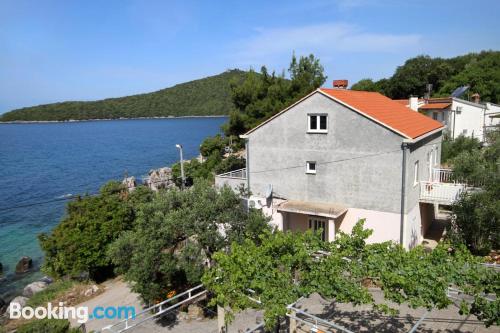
(269,191)
(459,91)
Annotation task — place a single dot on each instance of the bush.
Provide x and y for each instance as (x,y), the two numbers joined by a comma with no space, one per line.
(47,326)
(78,244)
(452,148)
(53,291)
(476,222)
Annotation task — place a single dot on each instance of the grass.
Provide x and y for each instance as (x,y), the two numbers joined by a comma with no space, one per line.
(53,291)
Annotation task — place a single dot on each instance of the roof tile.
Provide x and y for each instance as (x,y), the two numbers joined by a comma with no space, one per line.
(386,111)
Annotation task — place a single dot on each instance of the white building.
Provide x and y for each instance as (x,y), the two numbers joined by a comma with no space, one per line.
(461,117)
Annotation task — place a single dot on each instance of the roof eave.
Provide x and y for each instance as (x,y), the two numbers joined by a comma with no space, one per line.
(423,136)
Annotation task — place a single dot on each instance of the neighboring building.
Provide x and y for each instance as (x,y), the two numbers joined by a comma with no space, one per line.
(338,156)
(461,117)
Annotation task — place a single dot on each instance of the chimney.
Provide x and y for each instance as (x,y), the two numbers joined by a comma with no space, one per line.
(340,84)
(413,103)
(476,98)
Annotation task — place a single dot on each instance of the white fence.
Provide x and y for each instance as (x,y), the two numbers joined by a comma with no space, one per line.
(444,193)
(233,179)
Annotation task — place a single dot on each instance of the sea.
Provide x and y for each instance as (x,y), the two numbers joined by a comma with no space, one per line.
(41,164)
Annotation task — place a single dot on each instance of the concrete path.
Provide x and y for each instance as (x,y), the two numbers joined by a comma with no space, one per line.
(363,319)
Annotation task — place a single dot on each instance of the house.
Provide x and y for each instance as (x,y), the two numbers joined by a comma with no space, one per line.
(337,156)
(461,117)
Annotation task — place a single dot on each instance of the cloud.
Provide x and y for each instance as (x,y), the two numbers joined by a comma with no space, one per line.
(320,39)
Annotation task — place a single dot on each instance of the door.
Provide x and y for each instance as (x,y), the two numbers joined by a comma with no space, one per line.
(429,163)
(316,223)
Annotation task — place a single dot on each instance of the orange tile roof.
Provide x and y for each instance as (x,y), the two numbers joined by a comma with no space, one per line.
(385,111)
(431,106)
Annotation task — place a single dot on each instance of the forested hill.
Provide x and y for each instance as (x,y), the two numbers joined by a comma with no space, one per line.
(481,71)
(205,97)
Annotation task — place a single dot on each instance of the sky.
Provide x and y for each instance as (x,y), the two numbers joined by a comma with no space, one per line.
(53,51)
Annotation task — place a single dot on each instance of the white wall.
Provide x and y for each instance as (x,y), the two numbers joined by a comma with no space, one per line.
(385,225)
(469,121)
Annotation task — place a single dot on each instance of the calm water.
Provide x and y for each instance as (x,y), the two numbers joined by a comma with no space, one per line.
(41,162)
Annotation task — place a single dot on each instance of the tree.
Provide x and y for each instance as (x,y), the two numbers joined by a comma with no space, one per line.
(365,85)
(476,215)
(262,95)
(286,266)
(79,242)
(176,235)
(462,144)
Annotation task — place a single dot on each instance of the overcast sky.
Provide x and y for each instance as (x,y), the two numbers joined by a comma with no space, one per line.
(53,51)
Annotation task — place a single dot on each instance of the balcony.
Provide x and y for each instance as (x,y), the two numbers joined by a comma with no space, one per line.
(443,188)
(234,179)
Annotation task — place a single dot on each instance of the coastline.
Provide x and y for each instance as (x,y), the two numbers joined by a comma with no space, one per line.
(103,119)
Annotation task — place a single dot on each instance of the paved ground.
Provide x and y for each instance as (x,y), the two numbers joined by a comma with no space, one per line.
(116,293)
(356,319)
(363,319)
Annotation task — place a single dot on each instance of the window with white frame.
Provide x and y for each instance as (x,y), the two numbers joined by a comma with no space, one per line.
(415,174)
(459,109)
(311,167)
(435,115)
(317,123)
(316,223)
(436,152)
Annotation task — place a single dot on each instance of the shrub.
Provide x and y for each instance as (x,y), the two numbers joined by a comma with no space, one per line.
(47,326)
(78,243)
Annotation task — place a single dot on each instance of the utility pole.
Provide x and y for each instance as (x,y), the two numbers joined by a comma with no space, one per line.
(183,179)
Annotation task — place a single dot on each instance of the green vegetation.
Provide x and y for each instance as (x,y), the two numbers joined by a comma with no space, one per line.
(78,244)
(53,291)
(283,267)
(176,235)
(261,96)
(47,325)
(204,97)
(462,144)
(479,70)
(476,220)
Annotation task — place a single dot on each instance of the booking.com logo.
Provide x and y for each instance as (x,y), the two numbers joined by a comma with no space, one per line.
(80,314)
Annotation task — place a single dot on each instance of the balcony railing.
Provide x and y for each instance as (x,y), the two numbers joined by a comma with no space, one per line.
(442,176)
(238,174)
(234,179)
(443,193)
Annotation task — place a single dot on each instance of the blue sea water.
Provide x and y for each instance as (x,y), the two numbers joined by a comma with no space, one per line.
(42,162)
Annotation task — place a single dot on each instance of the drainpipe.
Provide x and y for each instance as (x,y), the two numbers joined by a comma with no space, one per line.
(403,194)
(247,164)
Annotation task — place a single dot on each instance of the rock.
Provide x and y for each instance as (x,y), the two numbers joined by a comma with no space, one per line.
(91,291)
(21,300)
(24,265)
(195,311)
(34,288)
(47,280)
(3,306)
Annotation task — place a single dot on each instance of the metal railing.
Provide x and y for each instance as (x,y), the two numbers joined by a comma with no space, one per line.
(238,174)
(445,193)
(442,176)
(157,310)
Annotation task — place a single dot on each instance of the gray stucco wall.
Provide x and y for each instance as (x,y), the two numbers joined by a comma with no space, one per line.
(419,152)
(278,152)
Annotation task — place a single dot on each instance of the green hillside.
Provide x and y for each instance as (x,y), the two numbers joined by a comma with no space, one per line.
(204,97)
(481,71)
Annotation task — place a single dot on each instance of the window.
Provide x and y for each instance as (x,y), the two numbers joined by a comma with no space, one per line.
(318,123)
(316,223)
(415,174)
(459,109)
(464,132)
(435,115)
(436,152)
(311,167)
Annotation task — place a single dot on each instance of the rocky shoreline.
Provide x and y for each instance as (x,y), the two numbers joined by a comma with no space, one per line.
(102,119)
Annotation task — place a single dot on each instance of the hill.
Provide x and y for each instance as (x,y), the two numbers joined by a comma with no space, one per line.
(481,71)
(204,97)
